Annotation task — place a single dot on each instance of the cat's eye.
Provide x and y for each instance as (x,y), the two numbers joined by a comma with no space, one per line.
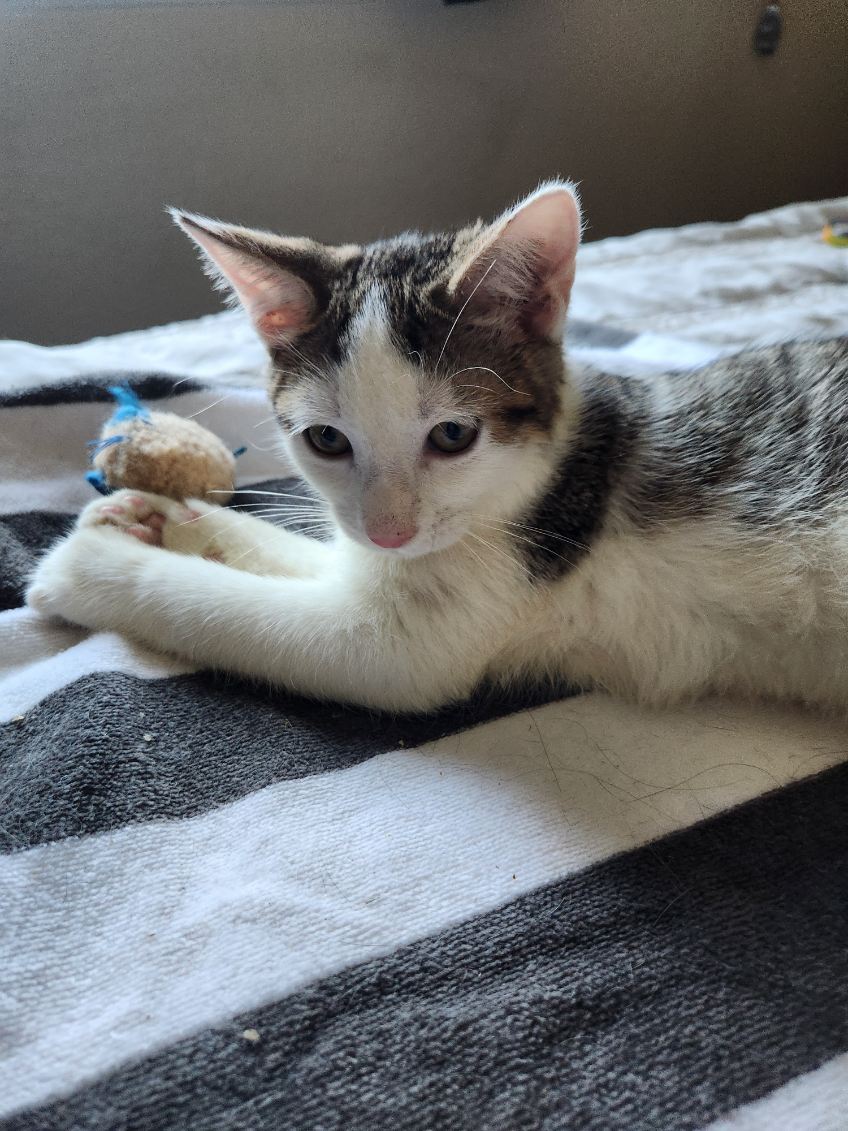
(327,440)
(451,437)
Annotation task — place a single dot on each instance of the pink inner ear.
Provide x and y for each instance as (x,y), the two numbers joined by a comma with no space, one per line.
(279,302)
(283,321)
(525,274)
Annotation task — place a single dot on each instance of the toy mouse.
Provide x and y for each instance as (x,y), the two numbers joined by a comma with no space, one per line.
(160,452)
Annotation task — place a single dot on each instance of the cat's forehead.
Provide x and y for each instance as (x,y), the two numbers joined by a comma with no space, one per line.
(390,332)
(376,380)
(404,276)
(381,294)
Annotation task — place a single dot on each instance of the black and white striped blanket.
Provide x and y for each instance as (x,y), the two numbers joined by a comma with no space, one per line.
(225,908)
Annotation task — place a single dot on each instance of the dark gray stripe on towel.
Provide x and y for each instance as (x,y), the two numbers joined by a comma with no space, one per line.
(79,763)
(653,992)
(93,387)
(23,537)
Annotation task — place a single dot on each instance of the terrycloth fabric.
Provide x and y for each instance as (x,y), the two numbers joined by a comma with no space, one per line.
(226,908)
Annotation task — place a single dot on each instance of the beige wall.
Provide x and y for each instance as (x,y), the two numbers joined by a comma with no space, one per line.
(348,119)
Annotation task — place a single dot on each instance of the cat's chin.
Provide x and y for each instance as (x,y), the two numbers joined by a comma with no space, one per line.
(404,553)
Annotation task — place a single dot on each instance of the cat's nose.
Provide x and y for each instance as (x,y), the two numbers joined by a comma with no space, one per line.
(390,538)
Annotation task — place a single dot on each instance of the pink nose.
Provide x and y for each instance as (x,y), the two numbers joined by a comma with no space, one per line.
(390,539)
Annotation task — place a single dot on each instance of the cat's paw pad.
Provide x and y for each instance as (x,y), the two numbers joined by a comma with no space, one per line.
(141,515)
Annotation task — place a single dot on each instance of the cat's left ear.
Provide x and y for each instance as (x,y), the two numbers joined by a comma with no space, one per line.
(519,273)
(282,283)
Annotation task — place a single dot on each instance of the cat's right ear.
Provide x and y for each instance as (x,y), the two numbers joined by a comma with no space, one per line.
(518,277)
(281,283)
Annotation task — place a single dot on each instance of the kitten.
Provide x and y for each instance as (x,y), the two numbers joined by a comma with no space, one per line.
(499,514)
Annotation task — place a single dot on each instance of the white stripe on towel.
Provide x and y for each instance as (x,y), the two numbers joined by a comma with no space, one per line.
(41,656)
(248,902)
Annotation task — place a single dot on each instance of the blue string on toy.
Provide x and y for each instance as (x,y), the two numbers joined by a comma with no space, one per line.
(97,446)
(98,482)
(129,406)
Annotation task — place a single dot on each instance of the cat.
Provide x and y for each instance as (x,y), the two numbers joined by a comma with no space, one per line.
(498,513)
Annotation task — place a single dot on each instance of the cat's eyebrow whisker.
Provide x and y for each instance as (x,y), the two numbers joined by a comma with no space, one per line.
(461,309)
(481,387)
(267,420)
(486,369)
(311,366)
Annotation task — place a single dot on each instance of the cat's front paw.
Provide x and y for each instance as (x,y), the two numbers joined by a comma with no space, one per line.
(85,577)
(158,521)
(137,513)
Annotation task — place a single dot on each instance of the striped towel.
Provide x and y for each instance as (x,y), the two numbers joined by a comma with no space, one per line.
(222,907)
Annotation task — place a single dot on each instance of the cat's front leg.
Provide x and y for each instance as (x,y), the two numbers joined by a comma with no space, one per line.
(208,531)
(328,637)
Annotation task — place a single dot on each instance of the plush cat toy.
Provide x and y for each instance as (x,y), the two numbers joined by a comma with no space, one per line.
(159,452)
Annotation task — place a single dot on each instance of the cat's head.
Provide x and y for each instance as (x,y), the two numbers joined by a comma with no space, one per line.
(419,380)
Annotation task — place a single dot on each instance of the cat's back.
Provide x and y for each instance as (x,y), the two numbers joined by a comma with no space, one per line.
(760,437)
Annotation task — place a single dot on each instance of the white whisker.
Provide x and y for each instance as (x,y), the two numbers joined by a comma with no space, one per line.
(461,309)
(486,369)
(249,491)
(533,530)
(225,397)
(481,387)
(476,555)
(512,561)
(275,447)
(530,541)
(311,366)
(308,504)
(264,515)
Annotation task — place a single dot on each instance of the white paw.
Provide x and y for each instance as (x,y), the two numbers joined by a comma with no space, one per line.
(187,528)
(79,577)
(141,515)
